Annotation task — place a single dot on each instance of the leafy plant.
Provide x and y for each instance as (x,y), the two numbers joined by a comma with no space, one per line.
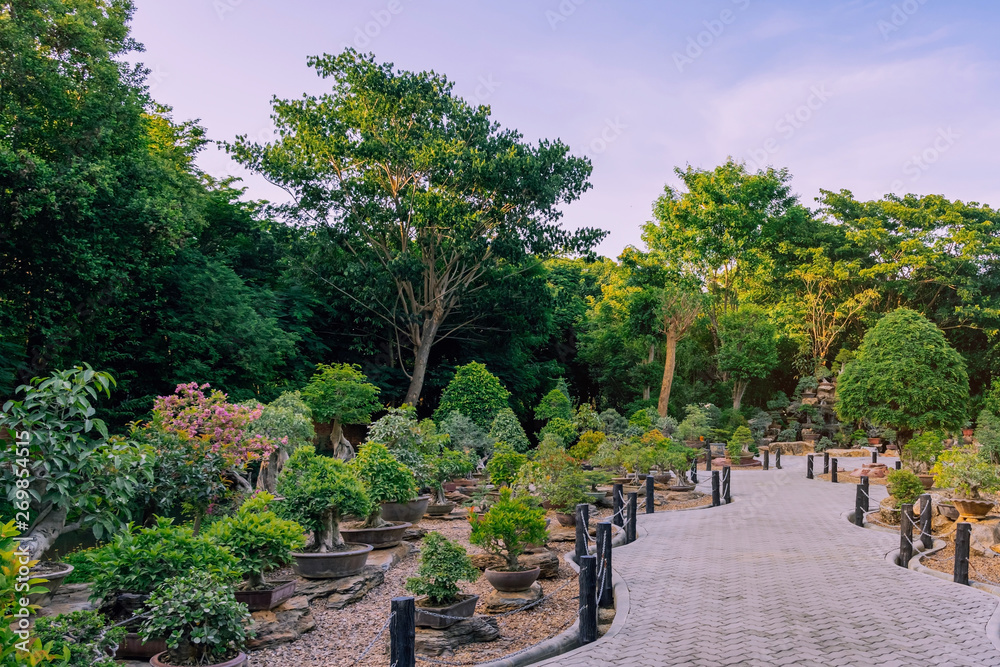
(140,560)
(465,434)
(823,444)
(587,418)
(506,428)
(988,435)
(554,405)
(288,422)
(806,384)
(446,466)
(340,394)
(759,423)
(788,435)
(12,592)
(642,419)
(386,480)
(967,471)
(778,402)
(318,490)
(904,487)
(507,528)
(740,442)
(566,490)
(561,428)
(259,539)
(614,423)
(922,451)
(443,564)
(608,454)
(695,426)
(474,392)
(502,468)
(587,445)
(200,619)
(84,634)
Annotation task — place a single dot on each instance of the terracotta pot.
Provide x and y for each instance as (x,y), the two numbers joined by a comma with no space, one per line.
(238,661)
(53,582)
(465,608)
(968,432)
(410,512)
(440,510)
(332,565)
(379,538)
(510,582)
(565,519)
(264,600)
(874,441)
(133,647)
(927,481)
(972,509)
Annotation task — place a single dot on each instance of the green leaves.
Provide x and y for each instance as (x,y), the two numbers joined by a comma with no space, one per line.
(313,485)
(508,527)
(443,564)
(503,466)
(341,393)
(474,392)
(258,538)
(386,479)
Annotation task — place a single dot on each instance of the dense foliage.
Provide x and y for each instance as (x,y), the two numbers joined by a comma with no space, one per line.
(443,564)
(507,528)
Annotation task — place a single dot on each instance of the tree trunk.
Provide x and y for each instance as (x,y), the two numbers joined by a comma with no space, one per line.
(669,364)
(326,537)
(197,523)
(739,388)
(268,478)
(421,357)
(45,533)
(342,447)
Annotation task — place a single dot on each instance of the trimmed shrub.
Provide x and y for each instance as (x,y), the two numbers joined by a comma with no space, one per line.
(476,393)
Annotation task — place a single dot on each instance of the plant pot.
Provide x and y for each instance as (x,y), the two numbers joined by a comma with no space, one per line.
(332,565)
(875,441)
(266,599)
(662,478)
(682,489)
(410,512)
(621,480)
(968,432)
(510,582)
(54,581)
(948,511)
(238,661)
(464,608)
(440,510)
(133,647)
(565,519)
(927,481)
(972,509)
(449,487)
(379,538)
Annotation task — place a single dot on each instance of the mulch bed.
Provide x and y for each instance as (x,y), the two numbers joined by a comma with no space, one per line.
(981,568)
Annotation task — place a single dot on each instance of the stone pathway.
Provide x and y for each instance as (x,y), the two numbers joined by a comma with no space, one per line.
(780,578)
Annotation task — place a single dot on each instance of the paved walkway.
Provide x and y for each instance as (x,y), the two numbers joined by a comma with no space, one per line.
(779,578)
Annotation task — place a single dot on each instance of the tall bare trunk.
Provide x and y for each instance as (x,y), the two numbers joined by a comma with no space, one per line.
(342,447)
(739,388)
(652,357)
(268,478)
(421,357)
(669,365)
(45,533)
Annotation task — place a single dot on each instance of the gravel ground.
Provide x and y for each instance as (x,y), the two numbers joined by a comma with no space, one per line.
(981,568)
(341,636)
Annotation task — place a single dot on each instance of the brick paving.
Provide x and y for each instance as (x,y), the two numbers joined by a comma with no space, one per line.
(780,578)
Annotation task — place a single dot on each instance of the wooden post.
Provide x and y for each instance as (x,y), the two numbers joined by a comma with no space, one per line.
(727,481)
(767,457)
(925,521)
(859,506)
(874,455)
(617,502)
(633,512)
(899,465)
(650,497)
(905,534)
(833,471)
(809,466)
(866,485)
(826,463)
(402,633)
(582,521)
(588,599)
(963,537)
(708,457)
(716,498)
(694,471)
(606,594)
(777,458)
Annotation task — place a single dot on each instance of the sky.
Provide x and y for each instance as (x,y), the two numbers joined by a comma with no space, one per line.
(869,96)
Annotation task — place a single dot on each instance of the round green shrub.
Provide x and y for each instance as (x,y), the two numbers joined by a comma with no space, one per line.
(554,405)
(904,486)
(507,428)
(476,393)
(503,467)
(507,528)
(386,480)
(443,564)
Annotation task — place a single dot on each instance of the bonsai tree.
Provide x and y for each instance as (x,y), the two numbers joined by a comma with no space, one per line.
(555,404)
(340,394)
(200,618)
(259,539)
(739,443)
(566,490)
(823,444)
(922,451)
(503,466)
(966,471)
(84,635)
(788,435)
(639,455)
(443,564)
(587,445)
(904,487)
(446,466)
(288,422)
(676,458)
(563,429)
(988,435)
(465,434)
(507,528)
(695,426)
(318,491)
(476,393)
(506,428)
(905,376)
(385,479)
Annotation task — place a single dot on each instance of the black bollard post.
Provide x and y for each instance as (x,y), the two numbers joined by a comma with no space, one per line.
(767,458)
(617,504)
(925,521)
(905,534)
(708,457)
(605,596)
(402,633)
(777,458)
(716,501)
(727,481)
(582,521)
(588,599)
(899,465)
(859,506)
(833,471)
(694,471)
(875,456)
(826,463)
(963,537)
(650,498)
(633,511)
(809,466)
(866,486)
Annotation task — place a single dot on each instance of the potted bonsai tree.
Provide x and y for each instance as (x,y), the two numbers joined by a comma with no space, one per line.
(504,464)
(921,453)
(565,493)
(260,540)
(969,473)
(445,466)
(443,564)
(507,528)
(202,621)
(677,459)
(318,491)
(84,635)
(386,480)
(738,447)
(340,394)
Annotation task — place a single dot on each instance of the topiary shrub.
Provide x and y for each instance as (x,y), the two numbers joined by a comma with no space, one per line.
(341,394)
(562,429)
(587,445)
(614,423)
(507,428)
(904,487)
(641,419)
(507,528)
(502,468)
(476,393)
(587,418)
(465,434)
(385,479)
(739,443)
(443,564)
(554,405)
(85,635)
(445,466)
(259,539)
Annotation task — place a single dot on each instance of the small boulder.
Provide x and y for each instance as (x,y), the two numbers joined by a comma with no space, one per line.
(498,602)
(285,623)
(475,630)
(984,535)
(339,593)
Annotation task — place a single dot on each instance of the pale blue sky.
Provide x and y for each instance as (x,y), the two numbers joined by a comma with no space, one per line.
(872,96)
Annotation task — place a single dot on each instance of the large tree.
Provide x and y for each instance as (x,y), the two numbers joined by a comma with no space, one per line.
(425,190)
(749,348)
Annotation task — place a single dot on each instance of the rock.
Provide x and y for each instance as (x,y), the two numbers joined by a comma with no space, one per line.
(605,615)
(798,448)
(339,593)
(559,533)
(498,602)
(414,534)
(486,561)
(68,598)
(984,535)
(683,496)
(444,642)
(849,453)
(386,559)
(285,623)
(546,560)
